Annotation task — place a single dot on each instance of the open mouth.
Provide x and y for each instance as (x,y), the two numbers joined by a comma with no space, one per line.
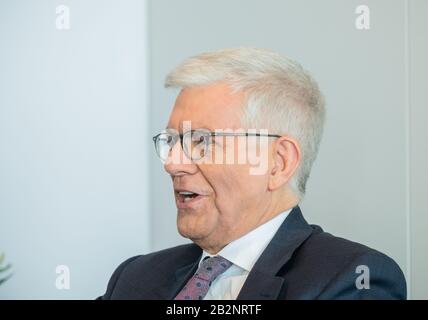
(186,196)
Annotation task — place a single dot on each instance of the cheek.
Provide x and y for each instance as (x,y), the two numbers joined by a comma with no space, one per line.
(235,189)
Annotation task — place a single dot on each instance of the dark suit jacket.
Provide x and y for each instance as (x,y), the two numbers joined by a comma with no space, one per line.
(301,262)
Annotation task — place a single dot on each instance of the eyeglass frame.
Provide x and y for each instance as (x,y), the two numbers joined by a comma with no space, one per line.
(210,134)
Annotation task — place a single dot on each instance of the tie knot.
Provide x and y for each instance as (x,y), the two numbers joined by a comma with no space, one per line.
(212,267)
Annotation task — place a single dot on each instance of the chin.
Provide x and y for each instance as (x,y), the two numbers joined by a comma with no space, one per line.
(192,232)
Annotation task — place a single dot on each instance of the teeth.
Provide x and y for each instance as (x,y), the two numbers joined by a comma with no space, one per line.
(186,193)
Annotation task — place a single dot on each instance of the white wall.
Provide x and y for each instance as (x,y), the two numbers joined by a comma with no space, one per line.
(360,188)
(73,141)
(418,146)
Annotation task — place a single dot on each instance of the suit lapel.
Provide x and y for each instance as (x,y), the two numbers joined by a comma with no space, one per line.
(170,289)
(262,282)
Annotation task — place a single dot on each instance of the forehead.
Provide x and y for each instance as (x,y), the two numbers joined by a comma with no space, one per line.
(211,107)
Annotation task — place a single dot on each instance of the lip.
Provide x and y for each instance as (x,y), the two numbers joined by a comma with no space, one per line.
(181,204)
(188,204)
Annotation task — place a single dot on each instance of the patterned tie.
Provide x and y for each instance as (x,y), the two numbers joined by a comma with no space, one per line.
(198,285)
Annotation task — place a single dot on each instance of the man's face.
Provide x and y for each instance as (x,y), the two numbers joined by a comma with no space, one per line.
(229,200)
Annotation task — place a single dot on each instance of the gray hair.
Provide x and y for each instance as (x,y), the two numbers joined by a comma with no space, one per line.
(280,96)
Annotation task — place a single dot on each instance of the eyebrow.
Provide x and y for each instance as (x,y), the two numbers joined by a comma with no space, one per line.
(195,128)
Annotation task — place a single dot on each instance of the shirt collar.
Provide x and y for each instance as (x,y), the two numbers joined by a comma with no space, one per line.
(244,251)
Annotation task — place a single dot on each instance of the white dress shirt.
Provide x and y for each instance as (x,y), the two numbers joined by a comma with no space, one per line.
(243,253)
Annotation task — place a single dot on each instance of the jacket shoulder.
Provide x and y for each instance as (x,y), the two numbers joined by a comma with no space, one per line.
(142,265)
(333,266)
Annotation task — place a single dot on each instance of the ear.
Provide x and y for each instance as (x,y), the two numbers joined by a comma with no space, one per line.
(286,157)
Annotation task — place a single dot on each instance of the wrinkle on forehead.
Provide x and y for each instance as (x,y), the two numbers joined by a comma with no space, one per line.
(210,107)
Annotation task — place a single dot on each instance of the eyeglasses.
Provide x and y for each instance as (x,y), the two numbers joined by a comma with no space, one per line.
(195,143)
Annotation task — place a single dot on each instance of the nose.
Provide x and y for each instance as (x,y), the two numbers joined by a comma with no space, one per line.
(177,163)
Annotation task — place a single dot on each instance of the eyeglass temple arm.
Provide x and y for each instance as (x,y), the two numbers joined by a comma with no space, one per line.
(245,134)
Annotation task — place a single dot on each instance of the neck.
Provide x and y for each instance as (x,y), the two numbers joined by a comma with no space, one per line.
(288,201)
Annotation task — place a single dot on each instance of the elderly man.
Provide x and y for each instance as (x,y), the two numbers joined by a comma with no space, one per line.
(239,147)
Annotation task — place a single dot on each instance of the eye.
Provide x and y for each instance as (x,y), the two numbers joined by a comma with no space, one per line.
(199,136)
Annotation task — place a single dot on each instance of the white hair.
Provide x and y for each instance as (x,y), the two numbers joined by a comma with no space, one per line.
(280,96)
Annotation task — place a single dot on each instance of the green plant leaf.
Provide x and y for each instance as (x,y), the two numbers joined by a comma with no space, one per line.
(7,267)
(5,279)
